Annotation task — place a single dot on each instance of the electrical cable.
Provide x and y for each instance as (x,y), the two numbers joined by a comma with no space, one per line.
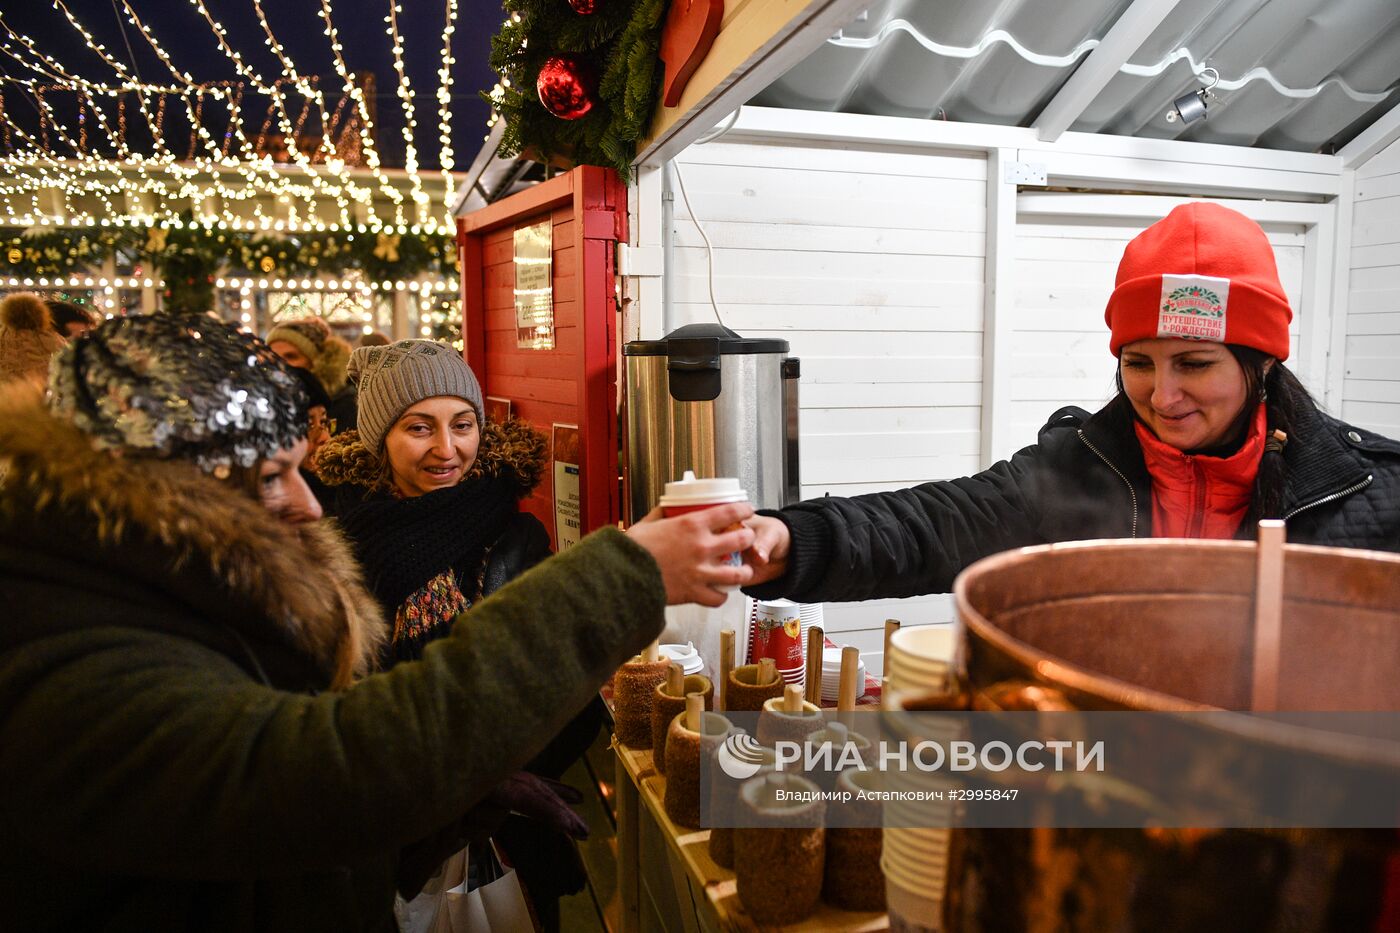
(1064,61)
(709,248)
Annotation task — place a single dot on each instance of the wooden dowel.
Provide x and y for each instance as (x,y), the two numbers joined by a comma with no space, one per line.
(816,641)
(792,699)
(726,664)
(767,671)
(891,626)
(885,689)
(850,666)
(652,652)
(1268,614)
(694,709)
(675,679)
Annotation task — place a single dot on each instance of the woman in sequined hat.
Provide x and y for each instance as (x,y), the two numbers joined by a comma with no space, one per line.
(190,735)
(428,492)
(1208,432)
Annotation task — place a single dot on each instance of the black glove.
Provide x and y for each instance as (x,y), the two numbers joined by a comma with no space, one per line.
(540,799)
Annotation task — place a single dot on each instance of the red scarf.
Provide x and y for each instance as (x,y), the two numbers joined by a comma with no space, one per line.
(1195,496)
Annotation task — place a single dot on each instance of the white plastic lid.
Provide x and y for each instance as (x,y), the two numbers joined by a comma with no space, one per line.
(678,652)
(691,491)
(685,655)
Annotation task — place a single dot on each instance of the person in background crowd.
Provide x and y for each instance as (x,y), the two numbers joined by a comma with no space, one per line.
(373,339)
(190,733)
(1208,433)
(69,320)
(27,338)
(319,428)
(307,343)
(428,493)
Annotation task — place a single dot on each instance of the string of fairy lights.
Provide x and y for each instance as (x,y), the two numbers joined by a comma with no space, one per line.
(87,173)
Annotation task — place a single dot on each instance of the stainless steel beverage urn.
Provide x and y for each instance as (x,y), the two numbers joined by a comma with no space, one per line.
(704,398)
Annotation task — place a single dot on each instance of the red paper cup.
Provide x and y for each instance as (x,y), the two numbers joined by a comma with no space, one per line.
(690,494)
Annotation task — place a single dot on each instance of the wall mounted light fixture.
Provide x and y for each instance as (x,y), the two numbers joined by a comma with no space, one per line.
(1188,108)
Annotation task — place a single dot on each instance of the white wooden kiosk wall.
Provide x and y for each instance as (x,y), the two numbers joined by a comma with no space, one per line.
(944,303)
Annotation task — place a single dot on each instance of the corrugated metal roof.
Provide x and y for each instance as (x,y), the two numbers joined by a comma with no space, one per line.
(1338,61)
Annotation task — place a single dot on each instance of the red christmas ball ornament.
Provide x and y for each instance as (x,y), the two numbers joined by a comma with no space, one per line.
(566,87)
(584,7)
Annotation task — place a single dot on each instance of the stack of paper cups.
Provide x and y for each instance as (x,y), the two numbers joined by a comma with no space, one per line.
(808,615)
(777,634)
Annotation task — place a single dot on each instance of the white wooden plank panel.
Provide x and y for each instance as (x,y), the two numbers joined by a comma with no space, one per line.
(1380,368)
(883,445)
(1374,301)
(1385,185)
(947,164)
(904,471)
(1387,278)
(778,195)
(875,345)
(1361,325)
(1377,255)
(796,289)
(917,610)
(782,319)
(730,234)
(1381,417)
(915,420)
(867,395)
(1379,391)
(914,369)
(926,270)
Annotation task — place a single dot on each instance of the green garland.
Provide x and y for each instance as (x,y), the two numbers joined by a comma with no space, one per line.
(619,42)
(190,258)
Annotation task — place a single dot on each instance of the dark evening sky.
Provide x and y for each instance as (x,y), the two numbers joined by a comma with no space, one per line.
(180,28)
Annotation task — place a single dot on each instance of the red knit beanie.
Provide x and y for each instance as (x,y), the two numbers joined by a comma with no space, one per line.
(1203,272)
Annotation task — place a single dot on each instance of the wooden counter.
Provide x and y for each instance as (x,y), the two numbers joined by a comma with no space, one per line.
(707,895)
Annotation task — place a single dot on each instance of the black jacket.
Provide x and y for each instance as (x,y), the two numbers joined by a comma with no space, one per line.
(1084,478)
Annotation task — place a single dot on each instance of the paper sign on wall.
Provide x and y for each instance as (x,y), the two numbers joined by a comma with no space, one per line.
(534,291)
(497,409)
(568,519)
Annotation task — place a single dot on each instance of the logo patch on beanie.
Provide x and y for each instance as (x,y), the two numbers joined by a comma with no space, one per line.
(1193,307)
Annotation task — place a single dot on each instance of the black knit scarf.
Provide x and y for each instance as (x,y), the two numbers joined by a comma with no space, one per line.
(404,543)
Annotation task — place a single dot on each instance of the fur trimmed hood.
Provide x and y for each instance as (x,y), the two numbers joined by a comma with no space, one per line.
(510,448)
(303,577)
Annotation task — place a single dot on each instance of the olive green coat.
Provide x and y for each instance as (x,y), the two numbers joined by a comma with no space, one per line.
(171,755)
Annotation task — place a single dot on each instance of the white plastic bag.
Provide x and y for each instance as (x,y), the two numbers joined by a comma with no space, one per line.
(446,906)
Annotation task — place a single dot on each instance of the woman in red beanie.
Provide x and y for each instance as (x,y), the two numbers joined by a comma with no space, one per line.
(1208,433)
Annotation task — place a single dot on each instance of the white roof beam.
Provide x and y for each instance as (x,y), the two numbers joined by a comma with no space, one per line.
(1372,140)
(1113,51)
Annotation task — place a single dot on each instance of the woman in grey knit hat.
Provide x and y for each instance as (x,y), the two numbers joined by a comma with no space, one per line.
(429,500)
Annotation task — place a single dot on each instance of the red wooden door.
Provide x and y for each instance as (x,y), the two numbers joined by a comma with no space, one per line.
(575,382)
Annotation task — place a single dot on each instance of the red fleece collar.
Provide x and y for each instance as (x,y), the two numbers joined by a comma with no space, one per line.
(1195,496)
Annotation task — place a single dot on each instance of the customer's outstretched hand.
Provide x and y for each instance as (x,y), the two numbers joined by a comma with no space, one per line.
(771,542)
(691,551)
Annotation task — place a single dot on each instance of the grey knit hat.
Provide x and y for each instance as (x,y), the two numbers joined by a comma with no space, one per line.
(389,379)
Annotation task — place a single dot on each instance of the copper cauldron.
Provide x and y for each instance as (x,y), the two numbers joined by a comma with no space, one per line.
(1168,625)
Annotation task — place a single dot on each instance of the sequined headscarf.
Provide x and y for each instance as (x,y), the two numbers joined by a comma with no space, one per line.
(179,388)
